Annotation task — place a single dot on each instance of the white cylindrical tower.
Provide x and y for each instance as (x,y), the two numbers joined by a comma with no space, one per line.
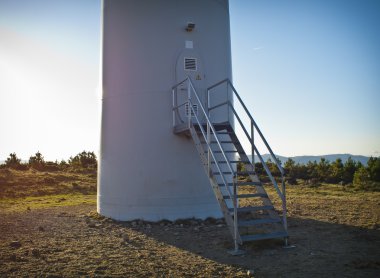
(145,170)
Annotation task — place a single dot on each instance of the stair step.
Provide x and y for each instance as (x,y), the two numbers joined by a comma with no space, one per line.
(224,132)
(245,173)
(217,126)
(263,236)
(242,183)
(248,209)
(253,195)
(221,142)
(248,223)
(224,173)
(232,161)
(230,151)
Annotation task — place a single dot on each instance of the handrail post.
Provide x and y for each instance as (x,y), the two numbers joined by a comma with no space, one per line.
(174,105)
(228,107)
(253,146)
(208,149)
(208,133)
(284,212)
(189,108)
(208,103)
(234,180)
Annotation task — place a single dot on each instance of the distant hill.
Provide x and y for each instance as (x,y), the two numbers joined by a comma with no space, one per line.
(303,159)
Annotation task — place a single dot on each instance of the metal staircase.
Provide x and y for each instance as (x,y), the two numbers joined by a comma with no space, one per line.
(244,202)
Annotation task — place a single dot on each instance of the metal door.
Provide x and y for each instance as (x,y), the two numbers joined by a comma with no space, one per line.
(189,64)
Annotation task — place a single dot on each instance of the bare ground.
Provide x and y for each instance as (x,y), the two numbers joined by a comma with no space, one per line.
(335,233)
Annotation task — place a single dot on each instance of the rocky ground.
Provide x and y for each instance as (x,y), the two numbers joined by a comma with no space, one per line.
(336,237)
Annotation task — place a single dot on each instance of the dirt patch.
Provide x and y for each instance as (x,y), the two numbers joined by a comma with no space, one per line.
(74,241)
(70,241)
(336,234)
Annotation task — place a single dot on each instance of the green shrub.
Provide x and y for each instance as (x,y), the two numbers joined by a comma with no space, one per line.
(14,162)
(37,162)
(84,160)
(361,179)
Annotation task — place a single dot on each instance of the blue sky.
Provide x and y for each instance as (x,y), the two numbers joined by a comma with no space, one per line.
(308,70)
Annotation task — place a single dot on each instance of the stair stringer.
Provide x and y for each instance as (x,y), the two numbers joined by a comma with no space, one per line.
(214,185)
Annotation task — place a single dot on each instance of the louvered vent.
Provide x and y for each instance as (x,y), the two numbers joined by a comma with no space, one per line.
(193,112)
(191,64)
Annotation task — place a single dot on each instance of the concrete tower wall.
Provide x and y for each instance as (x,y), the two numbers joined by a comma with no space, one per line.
(145,170)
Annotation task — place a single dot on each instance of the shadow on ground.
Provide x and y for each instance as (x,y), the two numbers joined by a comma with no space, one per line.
(321,248)
(76,241)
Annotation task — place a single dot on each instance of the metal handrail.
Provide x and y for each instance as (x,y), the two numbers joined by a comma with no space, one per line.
(205,136)
(269,173)
(281,193)
(211,127)
(179,83)
(257,128)
(233,196)
(250,117)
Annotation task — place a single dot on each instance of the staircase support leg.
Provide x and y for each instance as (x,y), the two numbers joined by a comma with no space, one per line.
(284,210)
(236,251)
(287,246)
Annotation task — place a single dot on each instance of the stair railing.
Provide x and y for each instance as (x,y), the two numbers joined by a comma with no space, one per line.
(253,126)
(193,98)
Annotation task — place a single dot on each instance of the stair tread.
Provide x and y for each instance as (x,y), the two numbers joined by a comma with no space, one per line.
(256,208)
(263,236)
(224,132)
(232,161)
(220,141)
(246,173)
(241,183)
(238,173)
(217,173)
(229,151)
(253,222)
(248,183)
(253,195)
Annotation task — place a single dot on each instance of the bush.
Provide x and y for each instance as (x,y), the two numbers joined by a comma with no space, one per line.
(84,160)
(63,165)
(374,168)
(14,162)
(361,179)
(37,162)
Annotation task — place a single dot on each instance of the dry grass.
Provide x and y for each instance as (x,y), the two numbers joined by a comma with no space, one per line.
(49,228)
(49,201)
(334,204)
(15,184)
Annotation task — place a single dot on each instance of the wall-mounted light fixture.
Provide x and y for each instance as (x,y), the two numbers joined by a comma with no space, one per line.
(190,26)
